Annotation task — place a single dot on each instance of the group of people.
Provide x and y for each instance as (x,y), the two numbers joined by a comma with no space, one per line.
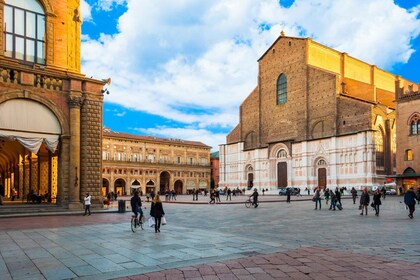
(156,209)
(170,194)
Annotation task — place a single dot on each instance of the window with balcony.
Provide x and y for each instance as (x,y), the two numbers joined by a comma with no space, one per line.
(24,30)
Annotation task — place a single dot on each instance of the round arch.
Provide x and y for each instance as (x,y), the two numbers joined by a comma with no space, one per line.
(321,171)
(178,186)
(119,186)
(165,178)
(105,186)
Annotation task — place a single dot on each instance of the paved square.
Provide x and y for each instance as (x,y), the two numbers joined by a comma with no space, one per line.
(276,240)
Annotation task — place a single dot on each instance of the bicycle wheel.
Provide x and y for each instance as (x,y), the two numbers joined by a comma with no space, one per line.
(133,224)
(248,203)
(141,225)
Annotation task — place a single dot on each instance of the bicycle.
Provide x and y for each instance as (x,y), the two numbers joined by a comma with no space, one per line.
(249,203)
(137,222)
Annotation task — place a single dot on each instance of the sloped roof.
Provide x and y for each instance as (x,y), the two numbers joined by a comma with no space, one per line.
(214,155)
(114,134)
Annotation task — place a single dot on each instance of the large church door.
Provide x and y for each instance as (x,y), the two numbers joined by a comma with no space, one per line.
(282,175)
(322,177)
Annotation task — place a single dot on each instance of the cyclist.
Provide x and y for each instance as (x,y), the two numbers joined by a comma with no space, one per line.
(136,206)
(254,196)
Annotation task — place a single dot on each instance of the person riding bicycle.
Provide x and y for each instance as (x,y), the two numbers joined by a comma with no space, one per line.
(136,205)
(254,196)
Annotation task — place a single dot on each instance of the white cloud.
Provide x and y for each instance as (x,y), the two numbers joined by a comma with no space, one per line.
(188,133)
(85,10)
(107,5)
(196,61)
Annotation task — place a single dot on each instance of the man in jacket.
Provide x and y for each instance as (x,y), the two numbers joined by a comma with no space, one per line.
(410,201)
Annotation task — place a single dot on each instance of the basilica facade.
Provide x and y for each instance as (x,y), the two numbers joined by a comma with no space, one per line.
(50,113)
(317,118)
(152,164)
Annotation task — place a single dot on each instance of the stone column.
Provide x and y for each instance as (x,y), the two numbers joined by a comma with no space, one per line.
(74,101)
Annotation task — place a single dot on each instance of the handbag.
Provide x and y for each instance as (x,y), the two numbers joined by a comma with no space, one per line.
(163,221)
(151,222)
(372,205)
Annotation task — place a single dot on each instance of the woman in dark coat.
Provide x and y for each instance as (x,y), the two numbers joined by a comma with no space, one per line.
(157,212)
(377,201)
(410,201)
(364,200)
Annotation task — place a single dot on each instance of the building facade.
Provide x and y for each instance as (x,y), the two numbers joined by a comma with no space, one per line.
(215,167)
(408,137)
(152,164)
(317,117)
(50,113)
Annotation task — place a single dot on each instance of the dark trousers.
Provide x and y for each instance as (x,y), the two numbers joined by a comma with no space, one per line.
(411,209)
(87,209)
(376,206)
(157,223)
(288,198)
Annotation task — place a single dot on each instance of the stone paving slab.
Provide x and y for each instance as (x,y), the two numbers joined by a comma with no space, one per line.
(103,246)
(301,263)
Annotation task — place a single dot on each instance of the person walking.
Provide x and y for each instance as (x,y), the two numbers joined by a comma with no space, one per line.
(87,204)
(317,199)
(193,193)
(410,201)
(156,211)
(229,194)
(327,196)
(338,196)
(364,201)
(217,194)
(288,193)
(333,200)
(212,196)
(377,201)
(353,194)
(418,195)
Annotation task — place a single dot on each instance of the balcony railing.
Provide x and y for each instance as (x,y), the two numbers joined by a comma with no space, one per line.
(160,162)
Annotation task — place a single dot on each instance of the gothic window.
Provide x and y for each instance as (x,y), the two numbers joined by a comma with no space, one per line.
(281,89)
(24,30)
(282,153)
(379,149)
(418,127)
(413,128)
(409,155)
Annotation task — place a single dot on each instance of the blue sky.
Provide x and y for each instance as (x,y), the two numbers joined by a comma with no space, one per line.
(181,68)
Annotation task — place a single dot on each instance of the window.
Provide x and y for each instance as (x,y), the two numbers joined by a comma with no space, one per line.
(281,89)
(409,155)
(24,30)
(413,128)
(379,149)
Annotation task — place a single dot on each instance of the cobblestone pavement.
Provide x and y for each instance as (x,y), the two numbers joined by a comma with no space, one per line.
(276,240)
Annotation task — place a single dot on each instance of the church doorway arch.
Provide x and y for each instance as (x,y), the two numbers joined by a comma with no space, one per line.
(164,181)
(178,186)
(29,155)
(119,187)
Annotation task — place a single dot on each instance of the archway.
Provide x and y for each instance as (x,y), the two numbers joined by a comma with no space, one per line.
(29,137)
(408,183)
(164,181)
(119,187)
(178,186)
(135,186)
(322,178)
(150,187)
(105,187)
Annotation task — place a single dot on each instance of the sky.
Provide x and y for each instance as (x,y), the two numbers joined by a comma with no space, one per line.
(181,68)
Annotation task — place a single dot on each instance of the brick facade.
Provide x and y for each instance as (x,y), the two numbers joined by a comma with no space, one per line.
(74,102)
(331,98)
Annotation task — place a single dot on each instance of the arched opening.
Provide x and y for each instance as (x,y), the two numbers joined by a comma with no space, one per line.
(150,187)
(29,140)
(250,181)
(322,173)
(135,186)
(164,182)
(119,187)
(409,182)
(105,187)
(178,186)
